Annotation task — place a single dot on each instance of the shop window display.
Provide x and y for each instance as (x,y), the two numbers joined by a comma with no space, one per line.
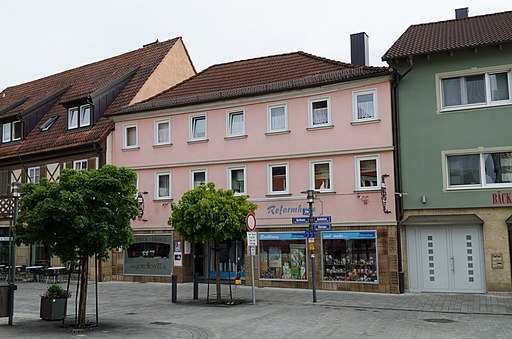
(350,256)
(283,256)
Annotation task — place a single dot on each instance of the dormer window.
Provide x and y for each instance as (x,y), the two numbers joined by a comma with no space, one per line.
(11,131)
(79,116)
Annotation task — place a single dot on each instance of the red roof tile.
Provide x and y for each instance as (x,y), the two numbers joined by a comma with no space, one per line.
(257,76)
(445,36)
(84,81)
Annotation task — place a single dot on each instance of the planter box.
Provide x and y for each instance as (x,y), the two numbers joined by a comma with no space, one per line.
(52,309)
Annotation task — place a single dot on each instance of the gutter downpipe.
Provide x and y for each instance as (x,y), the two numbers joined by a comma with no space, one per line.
(397,161)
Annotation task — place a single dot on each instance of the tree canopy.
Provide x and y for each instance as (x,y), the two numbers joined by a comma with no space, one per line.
(84,213)
(206,213)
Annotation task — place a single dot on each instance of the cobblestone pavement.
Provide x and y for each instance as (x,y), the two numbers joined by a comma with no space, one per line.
(144,310)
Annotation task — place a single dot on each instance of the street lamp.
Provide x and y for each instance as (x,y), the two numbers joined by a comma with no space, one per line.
(16,193)
(311,199)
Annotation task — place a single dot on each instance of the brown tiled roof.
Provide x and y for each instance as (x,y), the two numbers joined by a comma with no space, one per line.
(444,36)
(83,81)
(256,76)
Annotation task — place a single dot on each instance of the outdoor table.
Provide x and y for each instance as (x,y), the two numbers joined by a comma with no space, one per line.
(54,272)
(35,271)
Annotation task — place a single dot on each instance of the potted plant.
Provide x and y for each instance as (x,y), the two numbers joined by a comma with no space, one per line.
(53,303)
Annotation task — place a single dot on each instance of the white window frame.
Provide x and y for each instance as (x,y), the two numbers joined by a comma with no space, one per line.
(6,136)
(481,152)
(269,118)
(13,129)
(72,110)
(486,71)
(229,183)
(198,170)
(355,95)
(85,122)
(310,112)
(269,178)
(81,164)
(358,160)
(32,176)
(312,175)
(157,183)
(229,124)
(194,117)
(125,136)
(157,124)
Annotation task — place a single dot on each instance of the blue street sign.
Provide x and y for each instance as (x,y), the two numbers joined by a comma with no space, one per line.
(310,234)
(322,227)
(322,219)
(305,211)
(300,221)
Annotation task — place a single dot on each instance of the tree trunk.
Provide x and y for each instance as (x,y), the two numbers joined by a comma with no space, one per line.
(83,291)
(217,267)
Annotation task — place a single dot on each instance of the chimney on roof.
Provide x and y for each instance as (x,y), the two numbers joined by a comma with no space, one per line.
(461,13)
(359,49)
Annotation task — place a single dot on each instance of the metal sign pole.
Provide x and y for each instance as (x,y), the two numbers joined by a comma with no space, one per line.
(252,280)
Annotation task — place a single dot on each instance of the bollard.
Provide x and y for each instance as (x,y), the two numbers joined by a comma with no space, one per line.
(196,286)
(174,288)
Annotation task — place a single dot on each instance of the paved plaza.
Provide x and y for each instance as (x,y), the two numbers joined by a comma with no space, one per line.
(144,310)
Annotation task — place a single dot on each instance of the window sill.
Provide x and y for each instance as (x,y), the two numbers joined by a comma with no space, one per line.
(273,195)
(199,141)
(372,190)
(324,192)
(129,149)
(364,122)
(232,137)
(319,127)
(278,132)
(470,107)
(162,145)
(167,200)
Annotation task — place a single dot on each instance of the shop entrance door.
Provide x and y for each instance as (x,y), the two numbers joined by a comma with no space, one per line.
(446,259)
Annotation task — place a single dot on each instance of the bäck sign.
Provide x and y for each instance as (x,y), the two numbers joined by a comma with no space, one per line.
(501,198)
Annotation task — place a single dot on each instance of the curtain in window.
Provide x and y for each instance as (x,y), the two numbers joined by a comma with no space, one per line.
(163,133)
(199,128)
(163,185)
(131,136)
(368,173)
(464,170)
(237,181)
(199,178)
(85,116)
(322,181)
(499,86)
(277,119)
(365,107)
(6,132)
(73,118)
(320,113)
(475,89)
(451,92)
(498,168)
(237,124)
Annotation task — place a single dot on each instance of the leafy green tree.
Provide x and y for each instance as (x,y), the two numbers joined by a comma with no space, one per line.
(217,215)
(83,214)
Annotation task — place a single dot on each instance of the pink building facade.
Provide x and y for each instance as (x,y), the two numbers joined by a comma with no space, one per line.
(270,136)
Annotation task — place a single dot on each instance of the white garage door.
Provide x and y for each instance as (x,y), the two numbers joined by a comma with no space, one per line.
(445,259)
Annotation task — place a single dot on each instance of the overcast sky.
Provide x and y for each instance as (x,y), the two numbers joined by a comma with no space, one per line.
(40,38)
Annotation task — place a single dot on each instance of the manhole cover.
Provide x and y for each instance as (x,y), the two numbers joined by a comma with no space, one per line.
(161,323)
(439,321)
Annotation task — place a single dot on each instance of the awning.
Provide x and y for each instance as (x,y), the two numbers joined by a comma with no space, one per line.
(444,220)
